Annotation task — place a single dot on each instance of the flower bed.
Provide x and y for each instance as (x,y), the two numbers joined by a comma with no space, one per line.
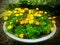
(28,23)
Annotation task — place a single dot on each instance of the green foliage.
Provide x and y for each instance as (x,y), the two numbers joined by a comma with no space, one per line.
(39,2)
(31,3)
(20,29)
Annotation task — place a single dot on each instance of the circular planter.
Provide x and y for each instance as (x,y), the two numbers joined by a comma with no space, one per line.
(29,40)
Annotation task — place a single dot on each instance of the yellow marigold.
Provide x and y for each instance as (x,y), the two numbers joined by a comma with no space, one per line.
(36,12)
(21,14)
(22,11)
(37,23)
(27,18)
(16,8)
(38,15)
(31,21)
(4,14)
(9,27)
(5,18)
(30,11)
(53,21)
(22,22)
(16,15)
(15,11)
(26,9)
(7,13)
(25,21)
(54,16)
(52,28)
(37,8)
(50,18)
(19,9)
(45,12)
(30,16)
(21,35)
(40,11)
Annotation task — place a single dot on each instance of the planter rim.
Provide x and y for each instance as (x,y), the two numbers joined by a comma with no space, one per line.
(30,40)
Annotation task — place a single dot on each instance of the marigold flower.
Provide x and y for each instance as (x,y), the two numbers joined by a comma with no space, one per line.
(27,18)
(9,27)
(25,21)
(50,18)
(31,21)
(3,14)
(37,8)
(5,18)
(15,11)
(45,12)
(22,11)
(21,14)
(37,23)
(40,11)
(22,22)
(53,21)
(16,8)
(16,15)
(21,35)
(36,12)
(7,13)
(30,16)
(54,16)
(26,9)
(30,11)
(52,28)
(19,9)
(38,15)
